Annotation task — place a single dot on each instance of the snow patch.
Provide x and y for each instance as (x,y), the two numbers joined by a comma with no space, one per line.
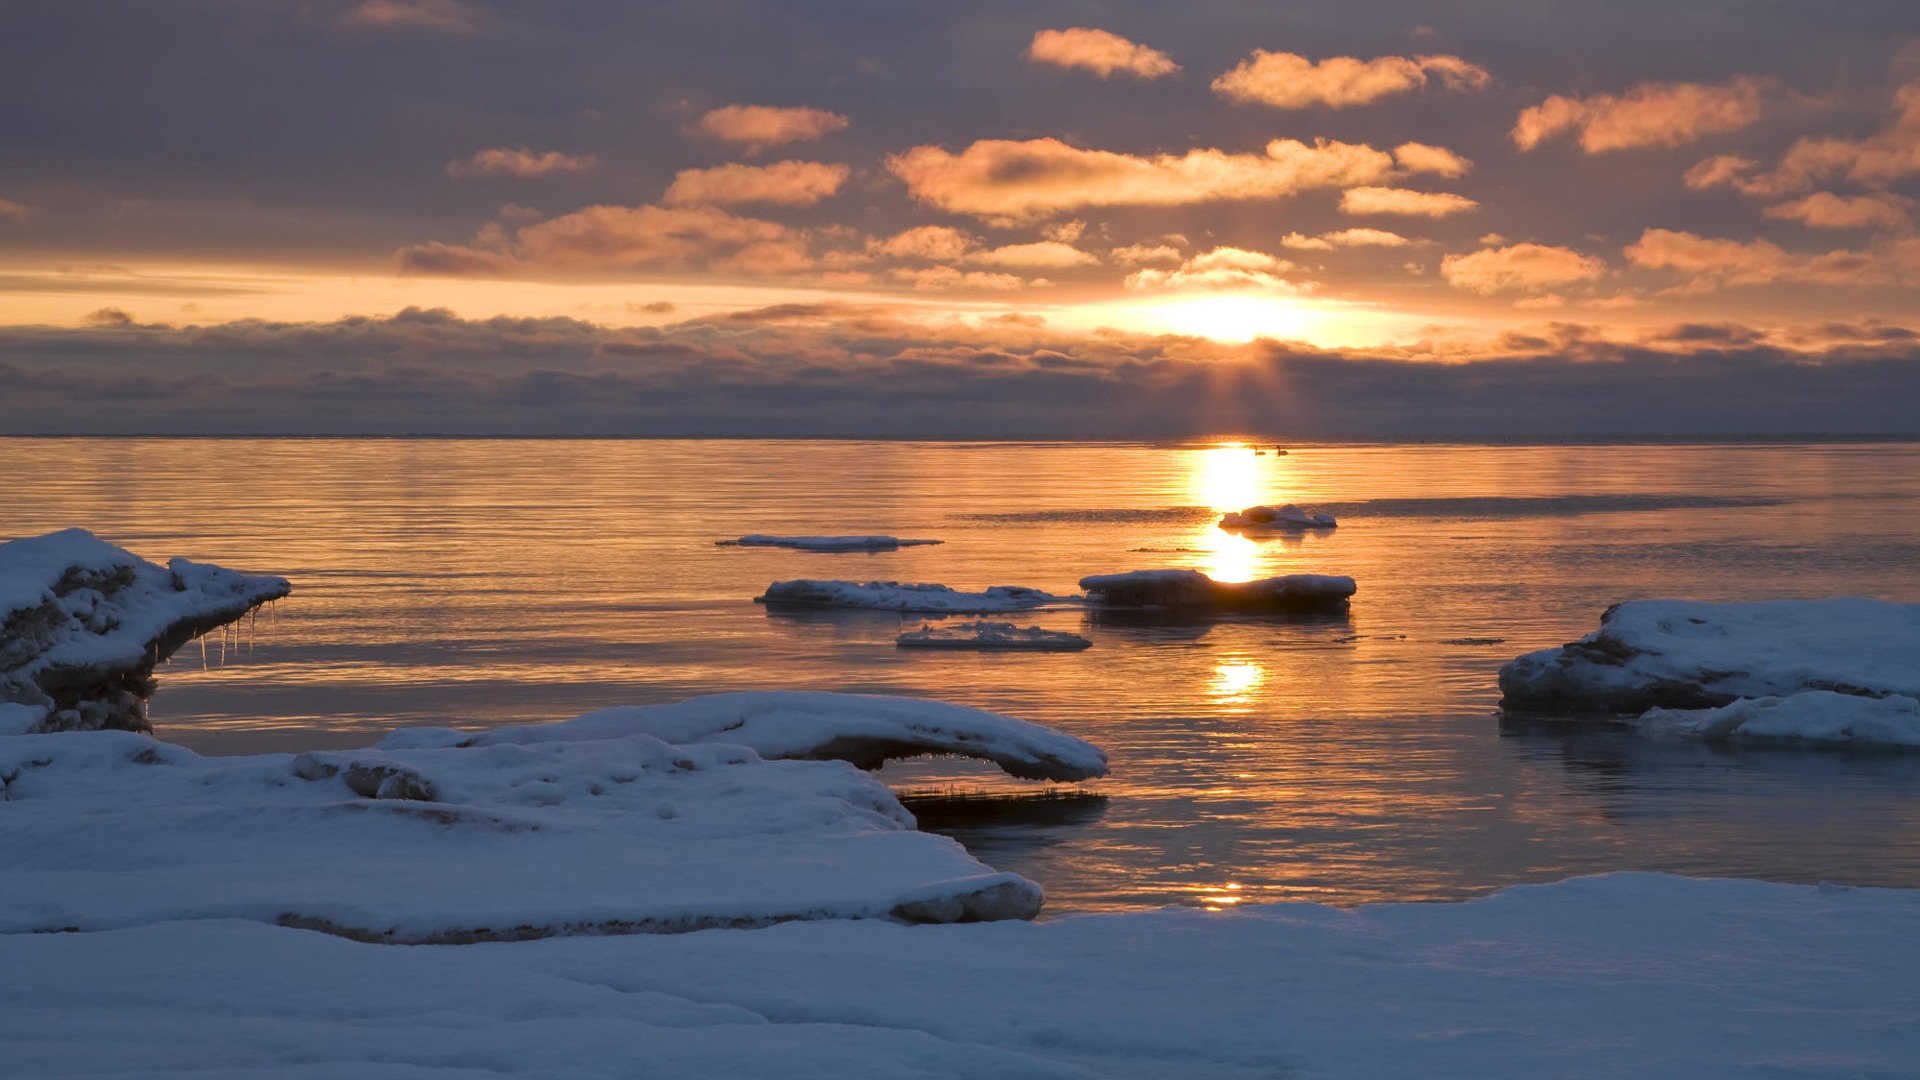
(894,596)
(1289,518)
(1815,717)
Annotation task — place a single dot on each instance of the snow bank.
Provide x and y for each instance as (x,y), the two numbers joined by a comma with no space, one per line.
(82,624)
(893,596)
(826,543)
(1288,517)
(1623,976)
(1301,593)
(1687,655)
(1815,717)
(992,636)
(622,821)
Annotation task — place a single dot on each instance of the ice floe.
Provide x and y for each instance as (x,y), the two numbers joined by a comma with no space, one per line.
(992,636)
(625,820)
(1615,977)
(894,596)
(1288,517)
(1193,590)
(1814,717)
(826,543)
(83,622)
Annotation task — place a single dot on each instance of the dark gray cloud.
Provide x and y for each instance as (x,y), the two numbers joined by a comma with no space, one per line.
(816,371)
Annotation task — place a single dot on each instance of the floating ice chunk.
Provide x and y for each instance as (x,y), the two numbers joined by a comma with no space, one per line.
(1814,717)
(82,624)
(864,729)
(826,543)
(622,821)
(894,596)
(1690,655)
(992,636)
(1290,516)
(1194,590)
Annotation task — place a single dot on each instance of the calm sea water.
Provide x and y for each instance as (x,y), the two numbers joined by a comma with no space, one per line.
(478,583)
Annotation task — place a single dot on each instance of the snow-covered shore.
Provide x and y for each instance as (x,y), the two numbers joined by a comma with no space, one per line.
(1626,975)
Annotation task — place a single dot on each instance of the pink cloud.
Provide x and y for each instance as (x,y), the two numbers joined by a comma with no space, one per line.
(433,16)
(1522,267)
(13,211)
(1386,200)
(785,183)
(1649,114)
(1291,81)
(1105,54)
(761,126)
(520,162)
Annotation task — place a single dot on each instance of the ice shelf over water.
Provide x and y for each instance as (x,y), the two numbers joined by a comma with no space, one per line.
(664,818)
(82,624)
(1621,977)
(1838,672)
(826,543)
(992,636)
(894,596)
(1193,590)
(1288,517)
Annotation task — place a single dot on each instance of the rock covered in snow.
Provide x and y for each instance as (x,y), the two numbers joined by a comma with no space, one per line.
(992,636)
(1687,655)
(622,821)
(1193,590)
(82,624)
(894,596)
(1288,517)
(826,543)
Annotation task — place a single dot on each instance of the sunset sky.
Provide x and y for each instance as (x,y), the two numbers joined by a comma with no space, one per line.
(1072,219)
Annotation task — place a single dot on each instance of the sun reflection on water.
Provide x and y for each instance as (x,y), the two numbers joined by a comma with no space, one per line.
(1231,476)
(1235,679)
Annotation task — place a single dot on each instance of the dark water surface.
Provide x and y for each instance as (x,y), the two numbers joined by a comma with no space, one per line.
(479,583)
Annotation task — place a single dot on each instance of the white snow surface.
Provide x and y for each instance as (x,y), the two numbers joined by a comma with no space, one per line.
(77,613)
(1814,717)
(1623,976)
(1289,517)
(1688,654)
(992,636)
(826,543)
(623,820)
(894,596)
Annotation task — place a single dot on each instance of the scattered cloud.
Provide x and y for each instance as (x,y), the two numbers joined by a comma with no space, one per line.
(948,278)
(13,211)
(1103,53)
(1344,238)
(1649,114)
(784,183)
(757,127)
(1524,267)
(1386,200)
(1886,157)
(1291,81)
(1013,181)
(1421,158)
(1825,210)
(934,243)
(1046,254)
(1143,254)
(626,238)
(451,260)
(520,162)
(397,16)
(1710,263)
(1221,268)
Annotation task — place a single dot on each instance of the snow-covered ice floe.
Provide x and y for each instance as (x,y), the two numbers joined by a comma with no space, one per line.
(1193,590)
(826,543)
(82,624)
(992,636)
(664,818)
(1288,517)
(1620,977)
(1834,672)
(894,596)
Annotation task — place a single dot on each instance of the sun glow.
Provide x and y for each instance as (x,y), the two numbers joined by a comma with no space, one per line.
(1236,318)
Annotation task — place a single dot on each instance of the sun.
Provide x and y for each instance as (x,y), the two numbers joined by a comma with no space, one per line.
(1233,318)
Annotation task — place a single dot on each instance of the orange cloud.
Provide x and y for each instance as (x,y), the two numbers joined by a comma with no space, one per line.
(1221,268)
(1105,54)
(1650,114)
(935,243)
(1050,254)
(1711,263)
(1877,161)
(1014,181)
(1345,238)
(1385,200)
(1141,254)
(450,260)
(761,126)
(1522,267)
(436,16)
(625,238)
(1291,81)
(1438,160)
(521,162)
(785,183)
(1825,210)
(949,278)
